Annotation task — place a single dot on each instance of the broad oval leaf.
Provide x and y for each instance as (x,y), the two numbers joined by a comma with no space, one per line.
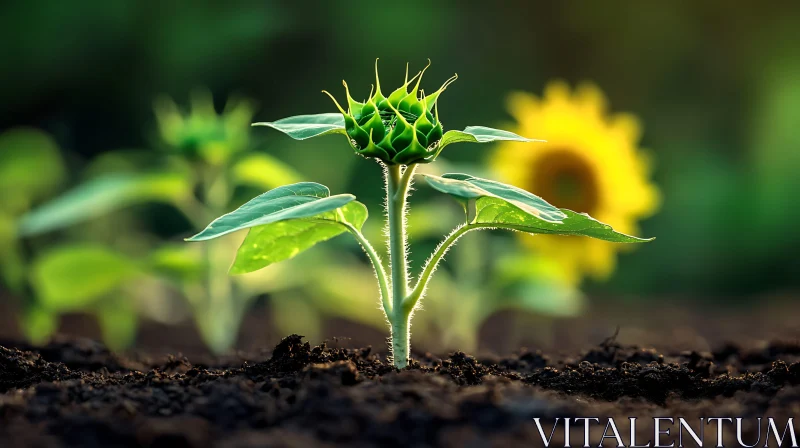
(301,127)
(75,276)
(496,212)
(271,243)
(481,134)
(295,201)
(464,186)
(102,195)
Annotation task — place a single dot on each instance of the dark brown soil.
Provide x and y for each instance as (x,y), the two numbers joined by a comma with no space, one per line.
(76,393)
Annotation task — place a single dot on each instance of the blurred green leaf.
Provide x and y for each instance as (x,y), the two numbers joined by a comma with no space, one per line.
(300,200)
(39,324)
(547,297)
(8,235)
(537,284)
(347,289)
(279,277)
(177,261)
(465,187)
(75,276)
(264,171)
(12,266)
(134,160)
(506,215)
(102,195)
(271,243)
(302,127)
(426,221)
(516,266)
(118,322)
(219,323)
(30,167)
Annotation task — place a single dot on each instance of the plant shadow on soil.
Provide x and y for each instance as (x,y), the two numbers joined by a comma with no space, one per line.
(74,392)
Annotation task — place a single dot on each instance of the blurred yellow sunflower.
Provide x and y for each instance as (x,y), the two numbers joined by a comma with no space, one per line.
(591,163)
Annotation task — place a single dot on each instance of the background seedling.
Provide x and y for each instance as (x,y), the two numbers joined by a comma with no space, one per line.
(110,266)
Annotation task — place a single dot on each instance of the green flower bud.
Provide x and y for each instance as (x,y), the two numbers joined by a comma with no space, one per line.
(403,128)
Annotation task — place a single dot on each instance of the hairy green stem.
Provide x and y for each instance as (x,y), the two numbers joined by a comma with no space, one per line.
(430,266)
(397,185)
(422,283)
(380,272)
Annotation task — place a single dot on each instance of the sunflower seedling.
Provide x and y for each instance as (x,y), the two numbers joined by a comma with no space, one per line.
(398,131)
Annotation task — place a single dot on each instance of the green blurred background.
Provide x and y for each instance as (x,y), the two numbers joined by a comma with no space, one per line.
(715,84)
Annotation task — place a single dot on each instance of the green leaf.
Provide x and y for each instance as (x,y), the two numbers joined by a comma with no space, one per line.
(102,195)
(263,171)
(118,322)
(75,276)
(218,323)
(300,200)
(302,127)
(30,166)
(178,261)
(12,265)
(343,288)
(505,215)
(127,160)
(466,187)
(39,324)
(536,284)
(549,298)
(481,134)
(271,243)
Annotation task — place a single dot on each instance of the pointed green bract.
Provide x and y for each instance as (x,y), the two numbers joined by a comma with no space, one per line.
(300,200)
(433,97)
(302,127)
(271,243)
(464,186)
(402,128)
(495,211)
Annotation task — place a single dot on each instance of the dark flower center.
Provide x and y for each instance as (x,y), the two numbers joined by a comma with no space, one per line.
(566,180)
